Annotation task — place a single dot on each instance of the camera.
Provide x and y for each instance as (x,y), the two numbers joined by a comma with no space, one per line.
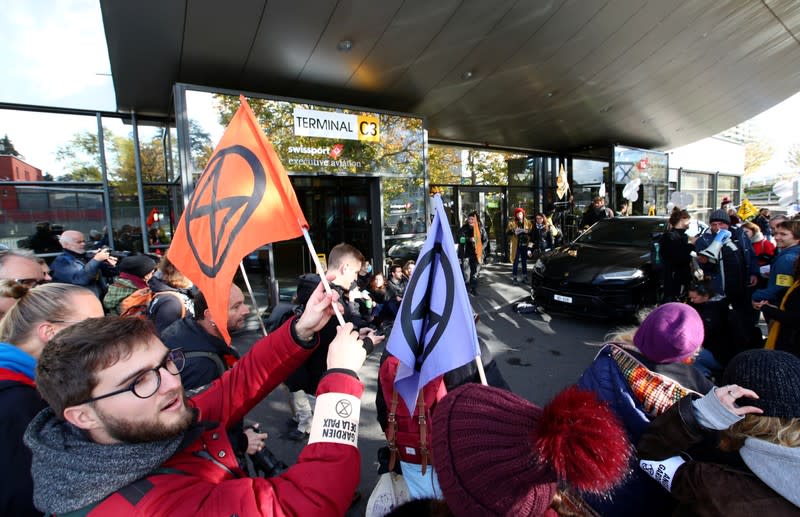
(119,255)
(267,463)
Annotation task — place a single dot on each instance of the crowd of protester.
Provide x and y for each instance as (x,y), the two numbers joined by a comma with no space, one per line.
(120,395)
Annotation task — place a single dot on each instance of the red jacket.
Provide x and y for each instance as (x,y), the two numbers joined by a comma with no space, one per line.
(321,483)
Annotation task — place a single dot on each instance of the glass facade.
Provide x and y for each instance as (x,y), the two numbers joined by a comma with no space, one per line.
(109,170)
(80,175)
(652,170)
(359,175)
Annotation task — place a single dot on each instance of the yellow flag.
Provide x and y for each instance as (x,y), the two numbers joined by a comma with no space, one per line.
(746,210)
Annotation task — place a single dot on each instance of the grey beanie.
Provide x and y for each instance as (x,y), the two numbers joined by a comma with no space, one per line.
(775,377)
(719,215)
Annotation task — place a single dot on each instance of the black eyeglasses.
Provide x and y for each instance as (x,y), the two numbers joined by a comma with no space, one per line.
(146,385)
(30,282)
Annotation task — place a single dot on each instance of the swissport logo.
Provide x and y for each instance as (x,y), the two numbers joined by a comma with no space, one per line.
(336,151)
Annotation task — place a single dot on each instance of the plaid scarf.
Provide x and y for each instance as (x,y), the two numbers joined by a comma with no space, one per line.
(654,391)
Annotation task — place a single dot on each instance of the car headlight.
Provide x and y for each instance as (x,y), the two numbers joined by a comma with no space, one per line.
(625,274)
(538,268)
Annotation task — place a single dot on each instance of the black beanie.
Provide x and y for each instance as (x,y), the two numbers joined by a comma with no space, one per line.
(305,287)
(774,376)
(137,265)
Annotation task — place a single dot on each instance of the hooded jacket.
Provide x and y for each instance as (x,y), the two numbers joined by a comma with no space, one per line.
(203,477)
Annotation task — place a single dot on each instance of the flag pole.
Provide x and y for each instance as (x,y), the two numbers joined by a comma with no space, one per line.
(481,373)
(252,297)
(321,272)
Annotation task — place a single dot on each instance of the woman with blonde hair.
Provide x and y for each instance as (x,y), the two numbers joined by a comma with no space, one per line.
(757,412)
(38,314)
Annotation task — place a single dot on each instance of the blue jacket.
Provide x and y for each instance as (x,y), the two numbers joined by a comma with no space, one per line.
(71,268)
(639,494)
(782,264)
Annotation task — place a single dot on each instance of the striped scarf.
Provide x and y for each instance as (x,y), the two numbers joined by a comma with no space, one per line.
(654,391)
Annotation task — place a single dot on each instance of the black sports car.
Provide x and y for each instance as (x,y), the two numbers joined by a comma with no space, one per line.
(606,271)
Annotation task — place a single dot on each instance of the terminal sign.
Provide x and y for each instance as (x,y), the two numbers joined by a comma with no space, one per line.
(342,126)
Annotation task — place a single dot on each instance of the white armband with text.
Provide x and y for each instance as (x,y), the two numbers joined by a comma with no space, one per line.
(336,419)
(662,471)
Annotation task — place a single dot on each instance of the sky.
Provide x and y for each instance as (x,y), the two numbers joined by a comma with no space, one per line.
(53,53)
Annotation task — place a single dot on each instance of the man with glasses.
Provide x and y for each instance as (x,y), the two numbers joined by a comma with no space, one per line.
(74,267)
(120,437)
(21,266)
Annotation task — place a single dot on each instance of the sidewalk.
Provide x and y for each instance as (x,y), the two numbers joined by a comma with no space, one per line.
(495,289)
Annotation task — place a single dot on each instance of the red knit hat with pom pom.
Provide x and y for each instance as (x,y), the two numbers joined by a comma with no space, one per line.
(497,454)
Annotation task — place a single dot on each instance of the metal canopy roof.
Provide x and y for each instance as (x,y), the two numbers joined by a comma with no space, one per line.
(536,74)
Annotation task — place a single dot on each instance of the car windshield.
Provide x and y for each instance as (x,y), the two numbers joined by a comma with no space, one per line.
(623,232)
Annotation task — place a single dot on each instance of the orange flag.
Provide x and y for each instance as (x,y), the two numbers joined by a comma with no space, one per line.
(476,233)
(242,200)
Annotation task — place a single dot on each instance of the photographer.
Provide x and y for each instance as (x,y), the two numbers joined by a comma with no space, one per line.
(75,266)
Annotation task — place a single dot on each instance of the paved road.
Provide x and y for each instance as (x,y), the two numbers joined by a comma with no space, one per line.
(538,355)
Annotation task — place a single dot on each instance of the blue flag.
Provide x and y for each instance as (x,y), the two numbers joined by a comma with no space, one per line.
(434,331)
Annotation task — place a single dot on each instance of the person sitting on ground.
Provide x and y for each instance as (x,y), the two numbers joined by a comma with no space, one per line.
(756,413)
(641,373)
(176,302)
(498,454)
(30,323)
(134,273)
(784,329)
(73,266)
(119,424)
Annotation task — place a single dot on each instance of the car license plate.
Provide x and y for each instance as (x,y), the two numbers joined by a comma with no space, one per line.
(559,298)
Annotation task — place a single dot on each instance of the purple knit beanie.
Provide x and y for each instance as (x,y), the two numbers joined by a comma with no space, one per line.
(671,333)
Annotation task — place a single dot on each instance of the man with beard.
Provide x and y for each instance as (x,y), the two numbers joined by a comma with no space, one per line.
(120,437)
(74,267)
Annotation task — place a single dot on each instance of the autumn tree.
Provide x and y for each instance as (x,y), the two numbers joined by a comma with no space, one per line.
(756,154)
(81,157)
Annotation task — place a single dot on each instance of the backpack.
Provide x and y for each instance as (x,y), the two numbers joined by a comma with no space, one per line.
(135,305)
(409,436)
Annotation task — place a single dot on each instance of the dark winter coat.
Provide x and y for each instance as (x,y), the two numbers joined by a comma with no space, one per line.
(164,310)
(466,247)
(674,249)
(718,489)
(207,356)
(19,403)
